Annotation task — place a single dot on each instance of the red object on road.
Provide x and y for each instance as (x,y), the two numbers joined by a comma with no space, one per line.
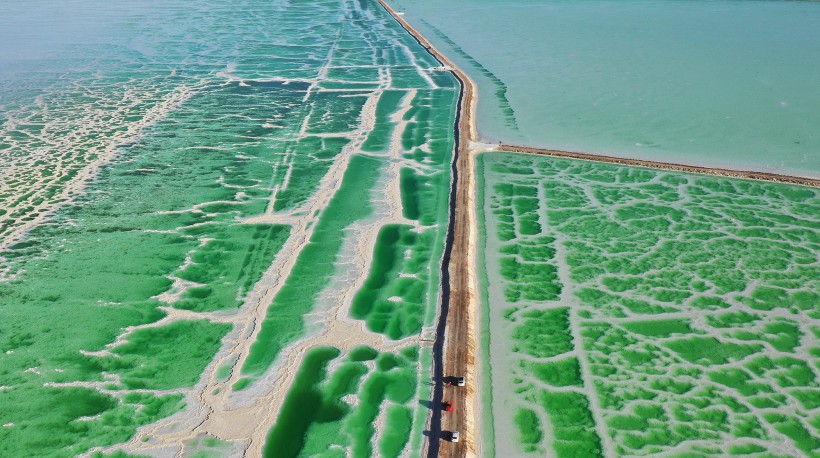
(447,406)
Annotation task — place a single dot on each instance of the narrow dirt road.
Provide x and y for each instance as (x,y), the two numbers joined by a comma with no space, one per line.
(454,349)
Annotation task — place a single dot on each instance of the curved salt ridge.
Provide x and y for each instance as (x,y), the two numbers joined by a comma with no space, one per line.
(228,74)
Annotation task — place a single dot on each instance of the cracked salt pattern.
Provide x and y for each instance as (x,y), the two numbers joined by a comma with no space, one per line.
(649,312)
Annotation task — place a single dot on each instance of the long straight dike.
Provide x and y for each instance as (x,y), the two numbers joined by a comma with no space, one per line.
(749,175)
(455,345)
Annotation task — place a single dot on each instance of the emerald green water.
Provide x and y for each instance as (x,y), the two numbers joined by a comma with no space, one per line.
(630,311)
(726,83)
(316,419)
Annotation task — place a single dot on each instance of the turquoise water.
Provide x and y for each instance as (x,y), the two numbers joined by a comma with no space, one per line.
(719,83)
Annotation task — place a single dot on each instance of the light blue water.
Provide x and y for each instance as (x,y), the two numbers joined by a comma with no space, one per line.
(731,84)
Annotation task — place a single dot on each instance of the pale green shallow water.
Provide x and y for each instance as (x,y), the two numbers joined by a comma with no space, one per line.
(718,83)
